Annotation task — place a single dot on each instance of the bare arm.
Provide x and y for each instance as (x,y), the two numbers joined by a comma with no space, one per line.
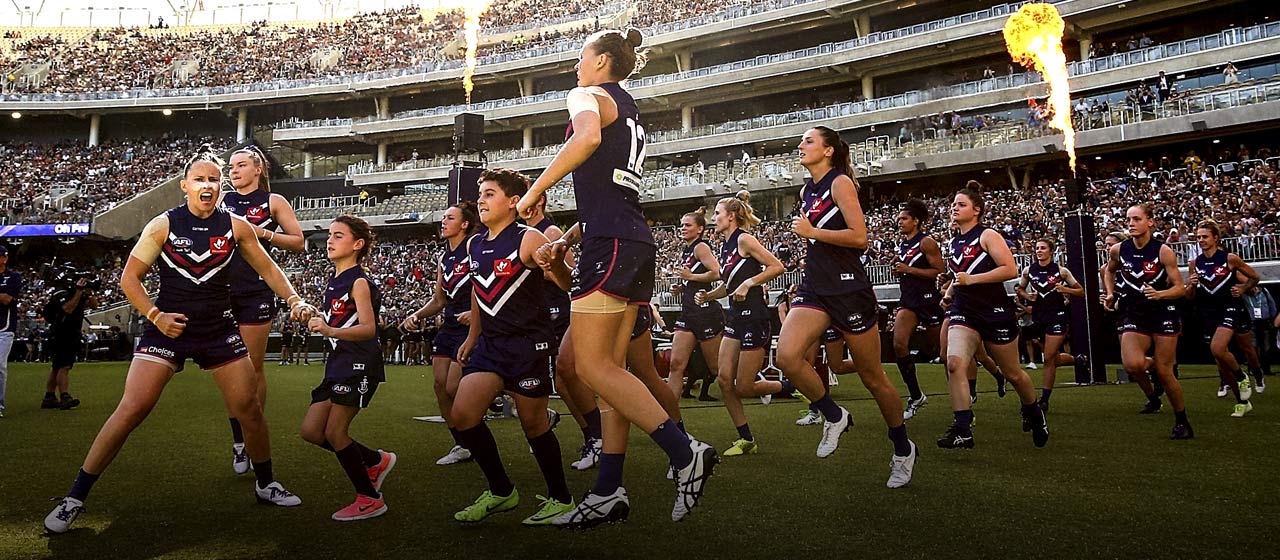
(749,246)
(1006,268)
(1176,289)
(290,236)
(261,262)
(556,270)
(1242,269)
(366,326)
(584,141)
(703,253)
(1069,284)
(933,255)
(845,192)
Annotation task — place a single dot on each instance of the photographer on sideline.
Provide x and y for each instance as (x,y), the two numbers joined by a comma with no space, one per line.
(10,288)
(65,316)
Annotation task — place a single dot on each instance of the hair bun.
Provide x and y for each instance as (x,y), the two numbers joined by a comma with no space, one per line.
(634,38)
(701,211)
(743,195)
(973,185)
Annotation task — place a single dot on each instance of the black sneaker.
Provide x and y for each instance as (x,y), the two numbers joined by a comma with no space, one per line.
(68,402)
(1039,427)
(51,402)
(1182,431)
(1044,406)
(1152,407)
(1002,387)
(956,439)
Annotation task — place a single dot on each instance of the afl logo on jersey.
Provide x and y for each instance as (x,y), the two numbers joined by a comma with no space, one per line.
(502,267)
(219,245)
(181,243)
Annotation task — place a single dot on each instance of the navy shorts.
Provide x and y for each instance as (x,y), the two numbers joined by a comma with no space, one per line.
(853,313)
(1154,319)
(524,364)
(258,308)
(927,315)
(447,341)
(1234,317)
(750,328)
(1056,324)
(559,324)
(621,268)
(210,348)
(1000,329)
(831,335)
(355,391)
(644,322)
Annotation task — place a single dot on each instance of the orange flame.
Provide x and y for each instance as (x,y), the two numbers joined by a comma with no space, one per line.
(472,10)
(1033,36)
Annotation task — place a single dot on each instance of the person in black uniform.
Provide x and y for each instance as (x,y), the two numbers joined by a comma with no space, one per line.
(274,224)
(508,349)
(1047,285)
(354,370)
(191,319)
(699,324)
(1141,281)
(918,264)
(1213,281)
(65,315)
(982,314)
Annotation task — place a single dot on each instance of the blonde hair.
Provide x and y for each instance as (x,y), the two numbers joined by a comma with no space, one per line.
(740,205)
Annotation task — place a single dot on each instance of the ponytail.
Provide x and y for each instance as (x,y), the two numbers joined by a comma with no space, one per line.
(740,205)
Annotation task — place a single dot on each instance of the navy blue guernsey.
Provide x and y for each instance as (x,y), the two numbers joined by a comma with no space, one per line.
(1140,267)
(455,276)
(510,295)
(968,256)
(1213,290)
(689,260)
(607,185)
(349,357)
(829,270)
(1043,281)
(557,298)
(736,269)
(255,208)
(194,267)
(915,291)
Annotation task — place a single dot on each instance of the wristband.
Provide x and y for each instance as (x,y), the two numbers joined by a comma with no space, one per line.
(156,311)
(272,237)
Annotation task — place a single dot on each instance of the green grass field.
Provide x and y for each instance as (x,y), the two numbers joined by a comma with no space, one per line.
(1109,485)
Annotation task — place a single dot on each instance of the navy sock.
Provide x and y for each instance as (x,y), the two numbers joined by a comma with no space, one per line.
(1256,372)
(453,432)
(237,434)
(907,367)
(744,432)
(371,458)
(813,408)
(1045,394)
(973,387)
(609,479)
(674,443)
(262,471)
(828,407)
(680,424)
(964,419)
(592,419)
(901,444)
(353,464)
(48,395)
(787,386)
(546,451)
(479,441)
(1180,416)
(325,445)
(1239,375)
(83,484)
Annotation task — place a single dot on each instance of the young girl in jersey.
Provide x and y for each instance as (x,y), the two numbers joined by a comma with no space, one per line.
(354,368)
(452,295)
(605,151)
(919,262)
(699,325)
(746,269)
(190,318)
(982,314)
(836,292)
(1141,281)
(275,225)
(1047,285)
(508,349)
(1213,282)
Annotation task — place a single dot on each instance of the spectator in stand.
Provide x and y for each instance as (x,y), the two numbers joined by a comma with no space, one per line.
(1230,74)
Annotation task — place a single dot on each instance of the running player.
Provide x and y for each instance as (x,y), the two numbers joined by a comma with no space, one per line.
(836,292)
(452,294)
(1141,281)
(354,369)
(982,314)
(699,324)
(918,265)
(275,224)
(1047,285)
(746,268)
(1213,281)
(508,349)
(191,318)
(605,152)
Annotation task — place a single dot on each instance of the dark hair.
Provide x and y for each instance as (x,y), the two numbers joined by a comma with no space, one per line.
(469,215)
(699,216)
(512,182)
(917,209)
(260,158)
(973,190)
(1211,226)
(740,205)
(1147,208)
(1048,241)
(840,158)
(359,230)
(623,48)
(205,153)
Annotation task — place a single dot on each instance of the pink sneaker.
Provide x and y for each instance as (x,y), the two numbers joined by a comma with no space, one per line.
(378,472)
(363,508)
